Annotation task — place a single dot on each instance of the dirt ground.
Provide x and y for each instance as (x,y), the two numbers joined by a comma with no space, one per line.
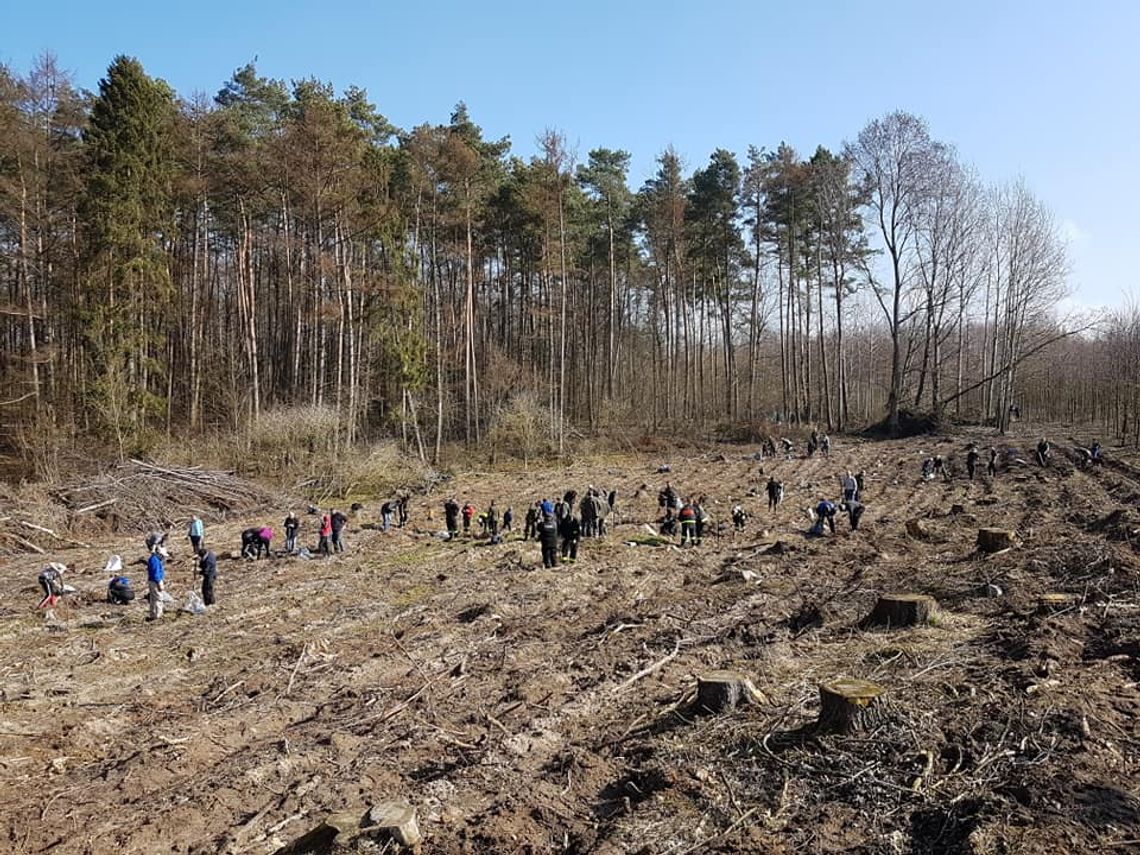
(524,710)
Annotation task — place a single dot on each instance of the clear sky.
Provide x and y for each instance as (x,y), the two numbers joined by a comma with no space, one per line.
(1047,90)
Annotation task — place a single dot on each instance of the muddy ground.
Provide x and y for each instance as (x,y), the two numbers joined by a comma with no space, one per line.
(500,698)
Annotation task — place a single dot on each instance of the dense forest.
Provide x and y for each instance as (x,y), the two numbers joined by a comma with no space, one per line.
(177,266)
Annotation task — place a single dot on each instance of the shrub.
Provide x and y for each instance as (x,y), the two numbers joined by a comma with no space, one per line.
(522,428)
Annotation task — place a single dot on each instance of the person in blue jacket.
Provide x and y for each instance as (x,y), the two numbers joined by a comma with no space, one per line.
(824,515)
(155,574)
(196,532)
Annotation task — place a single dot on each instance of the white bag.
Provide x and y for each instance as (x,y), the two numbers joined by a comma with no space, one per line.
(114,566)
(194,604)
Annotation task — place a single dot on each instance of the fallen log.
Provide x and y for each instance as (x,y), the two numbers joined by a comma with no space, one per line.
(51,533)
(896,610)
(27,544)
(95,507)
(1051,603)
(721,691)
(848,706)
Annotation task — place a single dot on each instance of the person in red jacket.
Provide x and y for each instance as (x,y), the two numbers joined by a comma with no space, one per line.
(325,532)
(468,513)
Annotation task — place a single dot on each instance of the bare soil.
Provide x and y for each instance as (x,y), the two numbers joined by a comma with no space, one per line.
(520,709)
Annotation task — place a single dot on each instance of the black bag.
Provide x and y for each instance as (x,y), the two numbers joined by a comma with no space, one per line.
(119,591)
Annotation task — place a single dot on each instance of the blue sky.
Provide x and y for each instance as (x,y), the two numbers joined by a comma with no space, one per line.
(1046,90)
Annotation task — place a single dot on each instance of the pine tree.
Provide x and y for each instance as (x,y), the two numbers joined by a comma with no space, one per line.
(127,217)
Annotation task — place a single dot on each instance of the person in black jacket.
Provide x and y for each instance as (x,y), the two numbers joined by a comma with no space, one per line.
(251,543)
(571,531)
(530,527)
(548,538)
(451,514)
(339,521)
(292,526)
(119,591)
(208,570)
(972,461)
(775,493)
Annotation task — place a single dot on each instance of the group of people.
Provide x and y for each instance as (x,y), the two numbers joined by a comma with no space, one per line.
(256,542)
(397,508)
(557,524)
(823,514)
(688,517)
(820,442)
(938,467)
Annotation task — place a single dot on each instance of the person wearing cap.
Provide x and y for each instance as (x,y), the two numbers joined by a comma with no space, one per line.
(155,574)
(51,580)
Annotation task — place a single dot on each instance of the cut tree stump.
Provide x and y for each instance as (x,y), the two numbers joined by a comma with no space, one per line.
(721,691)
(848,706)
(396,819)
(996,539)
(894,610)
(1052,603)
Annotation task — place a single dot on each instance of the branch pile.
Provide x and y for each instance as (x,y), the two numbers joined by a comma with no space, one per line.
(143,496)
(135,496)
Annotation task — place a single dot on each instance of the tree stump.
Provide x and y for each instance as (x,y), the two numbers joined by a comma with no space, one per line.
(396,819)
(996,539)
(721,691)
(894,610)
(1052,603)
(848,706)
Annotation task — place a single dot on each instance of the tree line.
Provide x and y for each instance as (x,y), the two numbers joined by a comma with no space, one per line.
(176,266)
